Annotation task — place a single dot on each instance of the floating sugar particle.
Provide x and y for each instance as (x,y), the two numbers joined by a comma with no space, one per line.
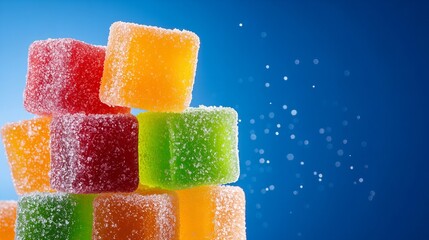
(252,136)
(267,66)
(340,152)
(290,156)
(252,121)
(261,151)
(346,73)
(301,186)
(302,163)
(345,123)
(271,115)
(328,138)
(314,86)
(277,133)
(322,131)
(271,187)
(248,163)
(351,167)
(240,24)
(284,107)
(320,179)
(345,141)
(266,130)
(267,161)
(291,126)
(262,160)
(296,61)
(294,112)
(314,173)
(261,116)
(320,175)
(292,136)
(315,61)
(306,142)
(285,78)
(358,117)
(267,84)
(295,192)
(271,103)
(361,180)
(278,125)
(371,195)
(263,34)
(337,164)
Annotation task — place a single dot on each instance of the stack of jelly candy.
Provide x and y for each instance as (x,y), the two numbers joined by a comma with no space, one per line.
(86,168)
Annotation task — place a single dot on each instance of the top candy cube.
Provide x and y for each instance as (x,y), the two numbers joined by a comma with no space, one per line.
(149,67)
(64,77)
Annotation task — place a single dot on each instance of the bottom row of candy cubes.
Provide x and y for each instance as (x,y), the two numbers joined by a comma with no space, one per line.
(209,212)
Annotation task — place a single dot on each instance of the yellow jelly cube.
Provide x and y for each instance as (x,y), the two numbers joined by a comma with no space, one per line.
(28,152)
(212,212)
(149,68)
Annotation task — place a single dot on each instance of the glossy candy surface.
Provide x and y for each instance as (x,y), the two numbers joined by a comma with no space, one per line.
(136,216)
(7,220)
(193,148)
(94,153)
(47,216)
(28,153)
(64,76)
(149,68)
(212,212)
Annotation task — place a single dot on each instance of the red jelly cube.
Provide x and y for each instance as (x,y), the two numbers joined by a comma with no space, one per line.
(64,76)
(94,153)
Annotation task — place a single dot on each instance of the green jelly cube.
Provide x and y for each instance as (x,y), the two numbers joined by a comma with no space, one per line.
(54,216)
(193,148)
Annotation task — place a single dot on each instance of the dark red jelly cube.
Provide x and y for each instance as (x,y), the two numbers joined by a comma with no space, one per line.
(94,153)
(64,76)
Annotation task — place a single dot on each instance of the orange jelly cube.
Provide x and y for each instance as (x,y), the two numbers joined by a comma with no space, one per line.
(153,215)
(7,219)
(28,152)
(212,212)
(149,68)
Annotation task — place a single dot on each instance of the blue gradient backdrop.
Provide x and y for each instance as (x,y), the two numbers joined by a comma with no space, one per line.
(350,164)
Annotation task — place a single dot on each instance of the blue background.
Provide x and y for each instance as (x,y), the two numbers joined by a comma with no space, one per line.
(351,164)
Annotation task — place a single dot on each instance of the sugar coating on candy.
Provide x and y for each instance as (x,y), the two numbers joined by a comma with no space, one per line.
(7,219)
(135,216)
(149,67)
(212,212)
(229,218)
(28,153)
(64,76)
(193,148)
(94,153)
(54,216)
